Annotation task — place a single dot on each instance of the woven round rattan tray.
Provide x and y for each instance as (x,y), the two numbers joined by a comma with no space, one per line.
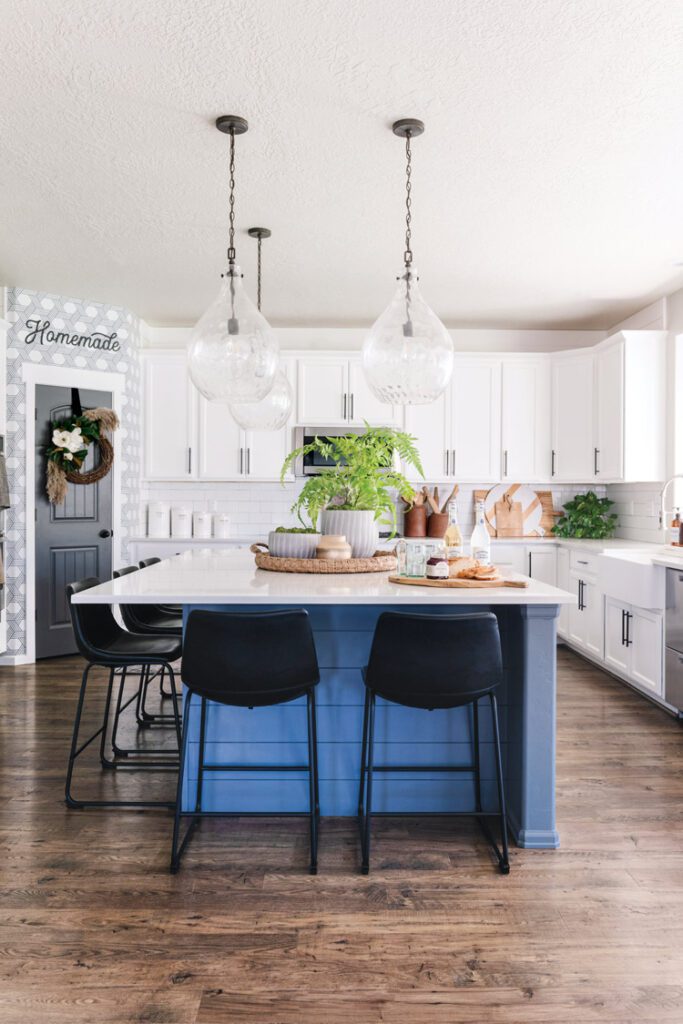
(379,562)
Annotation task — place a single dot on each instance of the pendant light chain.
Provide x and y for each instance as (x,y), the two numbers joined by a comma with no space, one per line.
(231,246)
(408,254)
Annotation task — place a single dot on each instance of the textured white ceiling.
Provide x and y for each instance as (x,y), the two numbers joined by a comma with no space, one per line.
(548,187)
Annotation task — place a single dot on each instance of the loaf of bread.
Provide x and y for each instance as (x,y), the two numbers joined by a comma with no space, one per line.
(457,565)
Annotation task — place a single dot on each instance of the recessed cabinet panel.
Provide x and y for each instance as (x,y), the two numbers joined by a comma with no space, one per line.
(323,391)
(363,406)
(221,443)
(572,433)
(475,420)
(542,565)
(526,420)
(646,630)
(170,402)
(429,425)
(609,413)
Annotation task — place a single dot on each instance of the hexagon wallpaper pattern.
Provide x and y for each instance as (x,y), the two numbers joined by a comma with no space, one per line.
(70,317)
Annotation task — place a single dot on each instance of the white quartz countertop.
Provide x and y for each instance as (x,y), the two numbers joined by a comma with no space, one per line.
(231,577)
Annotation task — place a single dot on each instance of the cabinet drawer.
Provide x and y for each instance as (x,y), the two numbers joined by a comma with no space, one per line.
(581,563)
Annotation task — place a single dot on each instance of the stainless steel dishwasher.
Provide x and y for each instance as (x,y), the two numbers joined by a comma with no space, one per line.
(673,663)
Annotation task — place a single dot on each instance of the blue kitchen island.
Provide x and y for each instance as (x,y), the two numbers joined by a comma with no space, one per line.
(343,611)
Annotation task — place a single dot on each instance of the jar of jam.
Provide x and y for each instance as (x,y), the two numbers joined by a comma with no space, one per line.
(437,567)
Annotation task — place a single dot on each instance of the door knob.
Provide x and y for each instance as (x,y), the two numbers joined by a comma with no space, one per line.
(104,533)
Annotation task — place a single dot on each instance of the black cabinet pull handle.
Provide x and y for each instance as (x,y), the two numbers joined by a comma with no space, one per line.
(596,468)
(623,627)
(628,629)
(351,406)
(552,463)
(344,406)
(505,469)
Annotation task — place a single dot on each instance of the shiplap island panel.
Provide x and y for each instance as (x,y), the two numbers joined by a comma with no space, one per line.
(344,610)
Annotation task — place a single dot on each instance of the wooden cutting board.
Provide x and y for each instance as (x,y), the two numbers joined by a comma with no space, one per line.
(456,584)
(548,516)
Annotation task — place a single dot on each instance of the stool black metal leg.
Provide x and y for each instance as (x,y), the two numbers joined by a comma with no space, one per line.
(504,861)
(135,757)
(73,753)
(312,784)
(477,760)
(105,761)
(177,849)
(363,752)
(365,866)
(118,752)
(200,763)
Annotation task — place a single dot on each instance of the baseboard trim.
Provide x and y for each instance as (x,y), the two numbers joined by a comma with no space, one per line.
(533,838)
(16,659)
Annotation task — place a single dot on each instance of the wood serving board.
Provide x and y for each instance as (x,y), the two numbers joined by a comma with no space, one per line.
(548,517)
(456,584)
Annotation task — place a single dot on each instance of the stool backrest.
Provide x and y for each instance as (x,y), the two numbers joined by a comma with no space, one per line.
(430,661)
(133,615)
(148,561)
(249,659)
(94,624)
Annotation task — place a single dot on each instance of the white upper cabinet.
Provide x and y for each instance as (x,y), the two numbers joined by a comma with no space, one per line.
(322,390)
(363,406)
(525,429)
(333,392)
(229,453)
(609,410)
(169,408)
(572,417)
(630,371)
(475,419)
(221,443)
(608,456)
(430,425)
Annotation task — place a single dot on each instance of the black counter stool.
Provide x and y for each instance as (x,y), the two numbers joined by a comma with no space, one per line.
(151,620)
(248,660)
(429,662)
(103,644)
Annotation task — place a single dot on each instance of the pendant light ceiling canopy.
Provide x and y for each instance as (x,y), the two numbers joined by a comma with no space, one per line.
(233,351)
(273,411)
(408,354)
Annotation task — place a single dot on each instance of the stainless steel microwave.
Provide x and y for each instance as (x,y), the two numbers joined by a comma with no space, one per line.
(314,463)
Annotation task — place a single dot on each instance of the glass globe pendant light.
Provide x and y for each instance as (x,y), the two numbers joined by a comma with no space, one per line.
(408,354)
(233,351)
(273,411)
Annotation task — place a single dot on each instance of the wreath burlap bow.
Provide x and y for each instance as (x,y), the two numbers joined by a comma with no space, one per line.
(70,442)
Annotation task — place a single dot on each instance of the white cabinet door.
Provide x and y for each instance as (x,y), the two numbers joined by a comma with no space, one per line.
(266,450)
(475,419)
(221,443)
(564,583)
(170,409)
(429,425)
(646,635)
(363,406)
(616,652)
(572,430)
(594,619)
(542,564)
(526,420)
(322,391)
(510,557)
(609,413)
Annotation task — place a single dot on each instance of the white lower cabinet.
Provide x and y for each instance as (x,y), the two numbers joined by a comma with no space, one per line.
(633,644)
(586,616)
(542,564)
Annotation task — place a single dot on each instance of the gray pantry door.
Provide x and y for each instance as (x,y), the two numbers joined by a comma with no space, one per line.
(73,540)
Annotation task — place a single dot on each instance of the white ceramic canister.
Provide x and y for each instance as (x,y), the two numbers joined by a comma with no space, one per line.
(181,522)
(221,525)
(201,525)
(158,519)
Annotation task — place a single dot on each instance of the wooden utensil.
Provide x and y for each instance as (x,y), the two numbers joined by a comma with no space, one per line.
(509,517)
(451,497)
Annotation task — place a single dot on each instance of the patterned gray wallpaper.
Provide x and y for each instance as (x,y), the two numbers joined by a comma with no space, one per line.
(64,342)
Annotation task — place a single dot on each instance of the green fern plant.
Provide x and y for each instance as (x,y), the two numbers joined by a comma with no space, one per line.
(364,477)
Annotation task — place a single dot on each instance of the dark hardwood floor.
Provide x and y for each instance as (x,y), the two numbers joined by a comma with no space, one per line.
(94,928)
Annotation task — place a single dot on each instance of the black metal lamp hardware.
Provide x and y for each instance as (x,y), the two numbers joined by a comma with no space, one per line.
(259,234)
(231,125)
(408,128)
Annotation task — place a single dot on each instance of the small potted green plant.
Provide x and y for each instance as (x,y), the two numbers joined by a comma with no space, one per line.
(587,516)
(359,491)
(293,542)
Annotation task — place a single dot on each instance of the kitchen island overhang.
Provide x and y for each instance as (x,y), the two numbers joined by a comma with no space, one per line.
(343,611)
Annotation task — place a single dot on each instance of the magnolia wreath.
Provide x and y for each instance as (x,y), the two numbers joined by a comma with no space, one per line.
(71,439)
